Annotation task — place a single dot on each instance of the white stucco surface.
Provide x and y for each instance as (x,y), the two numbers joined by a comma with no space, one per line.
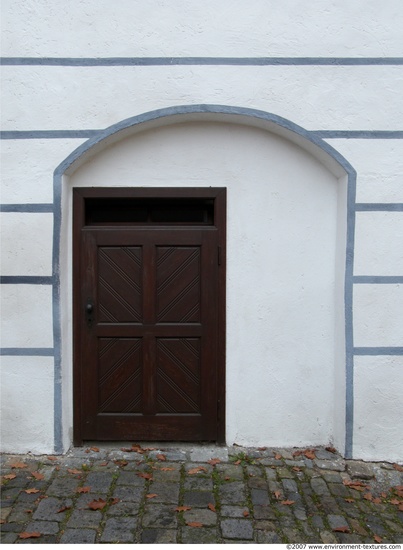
(209,28)
(27,404)
(282,212)
(379,243)
(96,97)
(26,316)
(377,315)
(27,168)
(378,408)
(23,251)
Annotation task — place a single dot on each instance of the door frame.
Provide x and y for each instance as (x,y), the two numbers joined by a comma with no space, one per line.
(218,195)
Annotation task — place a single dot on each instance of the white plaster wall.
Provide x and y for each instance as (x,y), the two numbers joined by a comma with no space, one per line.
(378,425)
(378,315)
(23,250)
(208,28)
(282,212)
(334,97)
(26,316)
(27,404)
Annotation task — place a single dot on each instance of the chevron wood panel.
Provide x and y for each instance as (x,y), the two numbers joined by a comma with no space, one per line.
(119,284)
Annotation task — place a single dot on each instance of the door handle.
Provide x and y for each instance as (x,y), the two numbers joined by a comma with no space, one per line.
(89,310)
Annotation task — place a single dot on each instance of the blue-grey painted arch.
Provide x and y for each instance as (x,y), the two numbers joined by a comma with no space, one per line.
(222,113)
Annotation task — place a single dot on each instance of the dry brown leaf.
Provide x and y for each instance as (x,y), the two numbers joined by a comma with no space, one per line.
(368,496)
(395,502)
(297,453)
(97,504)
(384,495)
(277,494)
(399,487)
(196,470)
(144,475)
(211,507)
(214,461)
(237,462)
(398,467)
(29,511)
(38,475)
(121,463)
(287,502)
(161,457)
(2,521)
(74,471)
(182,508)
(113,501)
(296,468)
(151,495)
(166,469)
(104,463)
(10,476)
(245,513)
(331,450)
(356,485)
(341,530)
(261,448)
(227,478)
(377,539)
(400,507)
(16,465)
(51,457)
(83,489)
(194,524)
(95,449)
(26,535)
(349,500)
(377,501)
(278,456)
(63,509)
(310,453)
(31,491)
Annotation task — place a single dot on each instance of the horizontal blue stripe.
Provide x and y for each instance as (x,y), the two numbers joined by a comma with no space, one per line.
(359,134)
(48,134)
(25,352)
(87,134)
(27,208)
(169,61)
(25,280)
(379,207)
(378,351)
(377,280)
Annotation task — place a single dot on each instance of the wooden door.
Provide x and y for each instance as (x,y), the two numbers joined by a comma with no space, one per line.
(147,332)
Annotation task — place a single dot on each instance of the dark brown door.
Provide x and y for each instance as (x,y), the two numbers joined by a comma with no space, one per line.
(148,332)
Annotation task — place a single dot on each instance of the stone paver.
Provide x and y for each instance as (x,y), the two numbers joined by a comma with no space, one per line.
(200,494)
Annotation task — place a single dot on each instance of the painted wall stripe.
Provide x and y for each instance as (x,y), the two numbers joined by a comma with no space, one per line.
(48,134)
(379,207)
(23,352)
(378,351)
(25,280)
(169,61)
(27,208)
(91,133)
(377,280)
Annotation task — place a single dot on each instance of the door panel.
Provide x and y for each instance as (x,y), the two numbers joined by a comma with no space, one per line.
(148,343)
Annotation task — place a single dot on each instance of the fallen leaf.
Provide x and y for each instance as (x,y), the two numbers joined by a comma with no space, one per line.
(166,469)
(31,491)
(310,453)
(182,508)
(398,467)
(104,463)
(211,507)
(395,502)
(245,513)
(148,449)
(377,539)
(297,453)
(400,507)
(377,501)
(63,509)
(38,475)
(2,521)
(74,471)
(261,448)
(356,485)
(399,487)
(121,463)
(83,489)
(287,502)
(341,530)
(10,476)
(368,496)
(161,457)
(349,500)
(95,449)
(16,465)
(113,501)
(399,493)
(384,495)
(227,478)
(194,524)
(296,468)
(97,504)
(151,495)
(237,462)
(144,475)
(196,470)
(214,461)
(278,456)
(26,535)
(331,450)
(29,511)
(51,457)
(277,494)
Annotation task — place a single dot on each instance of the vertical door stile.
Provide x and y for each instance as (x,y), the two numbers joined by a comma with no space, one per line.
(149,317)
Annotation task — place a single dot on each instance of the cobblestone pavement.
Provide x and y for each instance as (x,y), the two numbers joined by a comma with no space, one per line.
(199,494)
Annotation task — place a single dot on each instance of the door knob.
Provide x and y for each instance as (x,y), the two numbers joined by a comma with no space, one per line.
(89,308)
